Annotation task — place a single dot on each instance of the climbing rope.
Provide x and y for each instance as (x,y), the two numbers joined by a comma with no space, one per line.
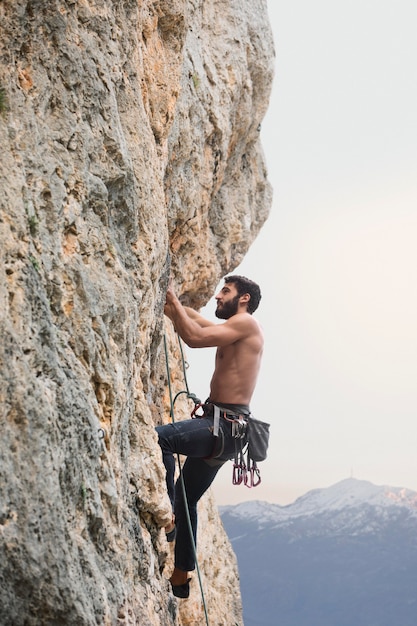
(196,401)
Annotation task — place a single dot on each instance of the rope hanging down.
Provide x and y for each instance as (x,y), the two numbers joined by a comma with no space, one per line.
(196,401)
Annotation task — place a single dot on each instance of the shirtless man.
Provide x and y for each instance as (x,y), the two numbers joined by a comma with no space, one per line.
(239,343)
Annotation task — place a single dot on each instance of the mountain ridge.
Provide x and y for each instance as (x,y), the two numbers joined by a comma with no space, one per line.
(345,554)
(348,493)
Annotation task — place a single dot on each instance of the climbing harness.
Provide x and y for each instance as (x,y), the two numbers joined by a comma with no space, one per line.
(251,438)
(238,424)
(172,414)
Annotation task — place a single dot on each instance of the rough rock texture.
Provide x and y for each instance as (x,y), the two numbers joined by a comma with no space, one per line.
(129,149)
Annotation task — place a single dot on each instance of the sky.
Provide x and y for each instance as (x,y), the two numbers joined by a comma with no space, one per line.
(337,258)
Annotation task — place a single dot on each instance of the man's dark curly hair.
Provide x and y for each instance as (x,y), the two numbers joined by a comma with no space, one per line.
(245,285)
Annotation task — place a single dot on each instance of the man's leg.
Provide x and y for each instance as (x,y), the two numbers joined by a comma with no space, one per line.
(192,438)
(198,476)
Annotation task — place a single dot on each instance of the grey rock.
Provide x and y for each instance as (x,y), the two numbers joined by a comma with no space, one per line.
(130,150)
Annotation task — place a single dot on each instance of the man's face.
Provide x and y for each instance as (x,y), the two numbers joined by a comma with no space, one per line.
(227,302)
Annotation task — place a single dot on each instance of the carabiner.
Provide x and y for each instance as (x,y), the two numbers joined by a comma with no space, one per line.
(239,473)
(195,409)
(253,477)
(256,472)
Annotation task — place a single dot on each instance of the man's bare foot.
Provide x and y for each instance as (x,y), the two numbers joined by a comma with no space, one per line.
(170,527)
(170,530)
(178,577)
(180,583)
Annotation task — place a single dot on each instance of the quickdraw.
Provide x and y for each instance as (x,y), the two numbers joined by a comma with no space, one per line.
(247,473)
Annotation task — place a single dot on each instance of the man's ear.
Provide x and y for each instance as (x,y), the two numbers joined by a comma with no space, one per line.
(245,298)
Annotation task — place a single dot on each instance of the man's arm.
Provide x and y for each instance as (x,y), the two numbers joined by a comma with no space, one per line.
(196,317)
(211,335)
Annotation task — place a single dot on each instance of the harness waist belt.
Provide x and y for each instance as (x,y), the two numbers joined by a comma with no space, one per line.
(234,410)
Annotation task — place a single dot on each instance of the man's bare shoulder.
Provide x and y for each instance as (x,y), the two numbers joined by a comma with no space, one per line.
(244,322)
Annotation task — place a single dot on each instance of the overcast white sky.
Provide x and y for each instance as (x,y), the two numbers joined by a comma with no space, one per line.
(337,259)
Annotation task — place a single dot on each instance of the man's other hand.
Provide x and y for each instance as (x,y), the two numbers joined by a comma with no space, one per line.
(170,299)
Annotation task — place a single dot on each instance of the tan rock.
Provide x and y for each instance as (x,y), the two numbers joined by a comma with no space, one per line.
(130,145)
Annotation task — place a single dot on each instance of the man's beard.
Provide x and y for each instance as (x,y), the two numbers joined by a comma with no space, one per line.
(228,309)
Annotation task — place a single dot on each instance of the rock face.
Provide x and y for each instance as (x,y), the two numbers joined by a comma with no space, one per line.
(129,135)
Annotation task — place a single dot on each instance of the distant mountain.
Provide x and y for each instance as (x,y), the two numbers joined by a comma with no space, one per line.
(341,556)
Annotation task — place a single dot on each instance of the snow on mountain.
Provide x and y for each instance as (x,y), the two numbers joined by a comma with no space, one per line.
(350,497)
(353,493)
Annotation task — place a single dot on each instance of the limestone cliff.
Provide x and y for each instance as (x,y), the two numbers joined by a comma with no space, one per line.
(129,133)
